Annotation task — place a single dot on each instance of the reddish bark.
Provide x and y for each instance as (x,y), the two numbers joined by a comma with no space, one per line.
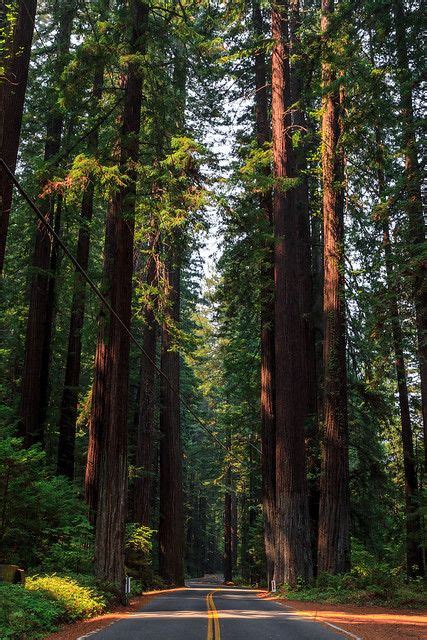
(12,96)
(34,391)
(334,509)
(171,526)
(228,528)
(293,555)
(171,517)
(70,393)
(107,456)
(146,431)
(268,438)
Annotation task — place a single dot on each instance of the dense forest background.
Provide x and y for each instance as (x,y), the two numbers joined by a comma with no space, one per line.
(279,143)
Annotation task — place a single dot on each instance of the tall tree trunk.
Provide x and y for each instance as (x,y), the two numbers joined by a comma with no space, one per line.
(70,393)
(299,125)
(334,535)
(171,526)
(268,436)
(414,205)
(39,331)
(228,534)
(146,432)
(12,95)
(171,521)
(293,555)
(307,309)
(414,555)
(234,530)
(107,456)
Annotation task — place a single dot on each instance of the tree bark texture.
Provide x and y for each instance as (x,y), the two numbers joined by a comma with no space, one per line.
(268,436)
(70,393)
(334,510)
(34,391)
(107,455)
(293,554)
(146,431)
(414,555)
(414,203)
(12,96)
(171,520)
(228,529)
(171,526)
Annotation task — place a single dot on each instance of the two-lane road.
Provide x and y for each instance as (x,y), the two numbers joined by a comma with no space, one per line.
(210,612)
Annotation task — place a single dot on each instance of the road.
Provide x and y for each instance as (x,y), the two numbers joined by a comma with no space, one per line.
(212,612)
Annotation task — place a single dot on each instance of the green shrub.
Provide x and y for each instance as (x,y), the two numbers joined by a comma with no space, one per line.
(138,554)
(378,585)
(78,601)
(44,521)
(26,615)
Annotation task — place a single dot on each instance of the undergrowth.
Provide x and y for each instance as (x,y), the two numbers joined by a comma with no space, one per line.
(47,602)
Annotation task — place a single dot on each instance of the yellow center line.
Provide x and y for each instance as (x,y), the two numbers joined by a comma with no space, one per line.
(214,631)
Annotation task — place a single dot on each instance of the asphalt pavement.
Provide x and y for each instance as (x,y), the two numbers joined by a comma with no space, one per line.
(212,612)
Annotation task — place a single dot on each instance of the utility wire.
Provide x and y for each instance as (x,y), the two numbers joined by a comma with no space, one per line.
(105,302)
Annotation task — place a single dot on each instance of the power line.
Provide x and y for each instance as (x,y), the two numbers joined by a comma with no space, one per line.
(105,302)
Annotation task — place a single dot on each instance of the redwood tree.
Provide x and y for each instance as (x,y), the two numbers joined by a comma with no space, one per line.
(413,203)
(268,436)
(293,554)
(145,446)
(228,528)
(414,555)
(107,456)
(12,95)
(171,524)
(34,391)
(70,393)
(334,509)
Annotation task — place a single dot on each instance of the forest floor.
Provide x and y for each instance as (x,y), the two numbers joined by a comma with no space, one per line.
(366,623)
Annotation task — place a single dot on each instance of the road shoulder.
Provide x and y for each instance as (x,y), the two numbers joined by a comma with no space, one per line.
(366,623)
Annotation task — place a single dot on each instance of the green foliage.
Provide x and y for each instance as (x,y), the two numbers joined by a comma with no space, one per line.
(368,583)
(76,600)
(42,518)
(27,615)
(48,601)
(138,554)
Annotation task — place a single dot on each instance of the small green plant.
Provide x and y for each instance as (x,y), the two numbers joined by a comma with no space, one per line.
(77,600)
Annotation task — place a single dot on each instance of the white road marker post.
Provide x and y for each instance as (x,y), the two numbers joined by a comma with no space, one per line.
(273,586)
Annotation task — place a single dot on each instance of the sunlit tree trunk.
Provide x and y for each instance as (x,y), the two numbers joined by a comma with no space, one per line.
(293,553)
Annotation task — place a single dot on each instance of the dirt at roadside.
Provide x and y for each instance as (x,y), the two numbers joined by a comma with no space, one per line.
(367,623)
